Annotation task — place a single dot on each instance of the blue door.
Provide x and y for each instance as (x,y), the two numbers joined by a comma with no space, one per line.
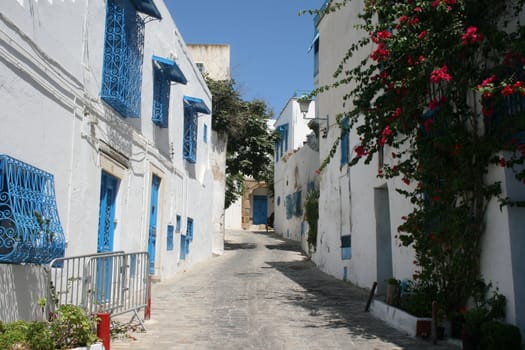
(152,237)
(106,230)
(260,209)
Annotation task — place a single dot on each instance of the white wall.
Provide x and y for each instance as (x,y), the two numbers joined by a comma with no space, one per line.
(53,118)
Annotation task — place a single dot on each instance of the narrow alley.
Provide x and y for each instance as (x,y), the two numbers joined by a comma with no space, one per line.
(262,293)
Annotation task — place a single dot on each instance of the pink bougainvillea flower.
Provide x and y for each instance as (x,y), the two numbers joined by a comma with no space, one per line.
(440,74)
(488,81)
(418,9)
(422,34)
(406,180)
(507,90)
(414,21)
(403,19)
(318,171)
(472,36)
(502,162)
(384,135)
(381,53)
(360,151)
(396,113)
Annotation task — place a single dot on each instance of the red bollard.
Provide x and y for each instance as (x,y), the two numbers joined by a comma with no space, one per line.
(147,310)
(103,329)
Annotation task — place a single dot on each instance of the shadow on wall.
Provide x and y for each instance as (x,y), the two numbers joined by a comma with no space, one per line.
(20,288)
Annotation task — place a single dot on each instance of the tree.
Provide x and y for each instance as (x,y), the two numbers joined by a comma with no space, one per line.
(442,92)
(250,142)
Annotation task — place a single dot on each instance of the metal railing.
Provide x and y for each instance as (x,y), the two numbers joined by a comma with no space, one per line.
(116,282)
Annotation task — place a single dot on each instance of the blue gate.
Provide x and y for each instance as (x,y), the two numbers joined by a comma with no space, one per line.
(106,230)
(260,209)
(152,237)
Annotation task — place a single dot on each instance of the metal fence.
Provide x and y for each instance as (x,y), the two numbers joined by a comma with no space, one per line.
(116,283)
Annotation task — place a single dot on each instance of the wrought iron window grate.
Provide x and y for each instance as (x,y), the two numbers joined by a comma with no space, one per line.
(30,229)
(189,149)
(192,106)
(161,98)
(123,58)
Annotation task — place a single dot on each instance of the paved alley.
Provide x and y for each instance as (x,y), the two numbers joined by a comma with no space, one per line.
(262,294)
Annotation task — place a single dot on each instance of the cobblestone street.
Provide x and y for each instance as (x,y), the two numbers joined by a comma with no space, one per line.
(262,294)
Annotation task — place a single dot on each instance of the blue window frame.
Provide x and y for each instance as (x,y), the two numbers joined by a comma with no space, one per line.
(164,72)
(186,239)
(205,134)
(123,57)
(30,229)
(177,223)
(281,146)
(346,247)
(345,141)
(192,106)
(169,238)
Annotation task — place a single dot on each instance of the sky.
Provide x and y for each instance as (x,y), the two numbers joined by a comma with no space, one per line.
(268,40)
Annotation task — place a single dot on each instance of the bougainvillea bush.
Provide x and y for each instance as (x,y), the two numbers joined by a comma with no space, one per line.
(442,93)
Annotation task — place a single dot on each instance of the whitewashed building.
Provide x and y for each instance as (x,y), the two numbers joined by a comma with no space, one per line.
(359,213)
(296,161)
(104,97)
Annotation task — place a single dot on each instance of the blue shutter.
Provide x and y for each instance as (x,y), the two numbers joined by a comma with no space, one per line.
(169,238)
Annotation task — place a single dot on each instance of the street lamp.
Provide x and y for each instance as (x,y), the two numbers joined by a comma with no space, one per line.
(304,106)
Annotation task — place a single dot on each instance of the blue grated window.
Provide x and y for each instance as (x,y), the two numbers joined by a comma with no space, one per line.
(30,229)
(192,106)
(161,99)
(346,247)
(345,140)
(177,223)
(205,134)
(186,239)
(123,57)
(189,229)
(169,238)
(281,146)
(164,72)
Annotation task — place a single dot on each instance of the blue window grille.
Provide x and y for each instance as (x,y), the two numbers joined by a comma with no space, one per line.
(346,247)
(298,204)
(189,229)
(30,229)
(205,134)
(177,223)
(123,57)
(192,106)
(186,239)
(169,238)
(281,146)
(345,141)
(289,206)
(164,72)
